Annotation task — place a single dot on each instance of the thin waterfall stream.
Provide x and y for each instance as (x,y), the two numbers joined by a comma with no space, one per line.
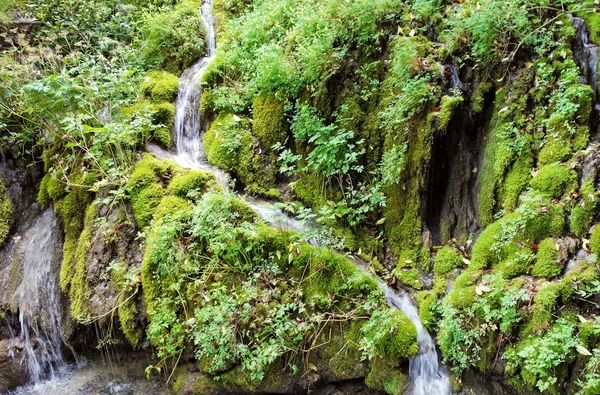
(428,375)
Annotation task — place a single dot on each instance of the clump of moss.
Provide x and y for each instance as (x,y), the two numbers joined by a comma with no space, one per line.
(128,318)
(229,144)
(595,241)
(583,214)
(546,264)
(269,124)
(385,377)
(145,203)
(478,97)
(195,180)
(79,291)
(517,261)
(172,204)
(6,212)
(545,303)
(446,259)
(517,179)
(448,106)
(427,301)
(160,86)
(554,180)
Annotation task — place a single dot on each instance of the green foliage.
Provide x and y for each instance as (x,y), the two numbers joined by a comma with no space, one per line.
(191,259)
(538,358)
(554,180)
(160,86)
(546,264)
(591,373)
(173,37)
(6,212)
(392,164)
(446,259)
(464,329)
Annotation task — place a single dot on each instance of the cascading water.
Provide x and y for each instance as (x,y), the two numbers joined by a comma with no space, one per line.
(188,119)
(38,294)
(586,56)
(428,376)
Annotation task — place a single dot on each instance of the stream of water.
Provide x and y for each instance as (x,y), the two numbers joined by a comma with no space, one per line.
(428,375)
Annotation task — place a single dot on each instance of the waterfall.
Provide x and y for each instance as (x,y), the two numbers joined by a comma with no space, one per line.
(428,376)
(39,302)
(188,118)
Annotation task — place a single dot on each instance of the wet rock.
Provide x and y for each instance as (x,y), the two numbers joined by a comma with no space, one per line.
(13,370)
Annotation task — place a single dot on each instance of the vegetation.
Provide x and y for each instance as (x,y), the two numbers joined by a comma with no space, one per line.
(446,144)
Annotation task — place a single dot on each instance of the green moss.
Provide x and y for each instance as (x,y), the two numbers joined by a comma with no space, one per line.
(478,97)
(595,241)
(162,136)
(145,203)
(545,303)
(554,180)
(229,144)
(79,292)
(269,124)
(163,113)
(55,188)
(160,86)
(448,106)
(128,319)
(427,302)
(403,214)
(195,180)
(170,205)
(6,212)
(385,377)
(309,190)
(546,264)
(446,259)
(483,256)
(549,222)
(517,179)
(592,20)
(517,261)
(583,213)
(43,198)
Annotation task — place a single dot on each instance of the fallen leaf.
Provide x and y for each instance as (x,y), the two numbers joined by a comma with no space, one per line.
(381,221)
(582,350)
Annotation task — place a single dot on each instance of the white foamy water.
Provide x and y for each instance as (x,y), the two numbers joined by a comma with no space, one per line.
(428,375)
(38,293)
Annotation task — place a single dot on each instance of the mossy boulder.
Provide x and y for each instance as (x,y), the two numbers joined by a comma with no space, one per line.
(269,124)
(145,202)
(160,86)
(172,205)
(554,180)
(230,145)
(583,213)
(386,377)
(194,180)
(448,107)
(446,259)
(547,265)
(6,212)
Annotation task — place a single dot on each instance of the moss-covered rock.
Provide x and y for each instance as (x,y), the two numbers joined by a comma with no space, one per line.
(229,144)
(554,180)
(385,377)
(269,124)
(446,259)
(128,314)
(160,86)
(595,241)
(583,213)
(448,106)
(195,180)
(546,264)
(170,205)
(6,212)
(145,203)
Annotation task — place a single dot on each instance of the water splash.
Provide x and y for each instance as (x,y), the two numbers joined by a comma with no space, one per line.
(39,303)
(429,377)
